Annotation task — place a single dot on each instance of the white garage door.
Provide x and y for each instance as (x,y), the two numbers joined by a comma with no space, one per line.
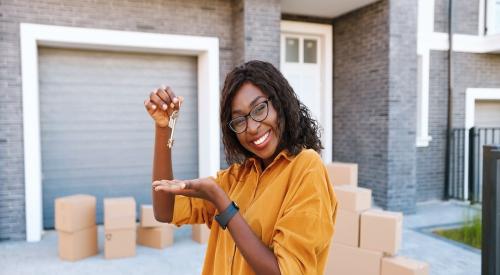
(487,113)
(96,136)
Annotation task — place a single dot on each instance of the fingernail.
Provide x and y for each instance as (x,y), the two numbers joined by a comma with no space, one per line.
(175,100)
(164,106)
(172,105)
(154,107)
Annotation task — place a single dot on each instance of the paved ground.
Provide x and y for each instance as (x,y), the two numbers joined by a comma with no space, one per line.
(444,257)
(186,256)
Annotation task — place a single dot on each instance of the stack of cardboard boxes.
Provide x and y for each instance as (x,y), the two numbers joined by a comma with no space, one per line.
(366,240)
(152,233)
(119,227)
(200,233)
(76,227)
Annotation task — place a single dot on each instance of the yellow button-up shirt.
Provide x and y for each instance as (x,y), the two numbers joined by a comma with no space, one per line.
(290,206)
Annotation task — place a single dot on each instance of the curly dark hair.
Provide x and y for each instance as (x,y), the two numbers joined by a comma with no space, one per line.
(297,128)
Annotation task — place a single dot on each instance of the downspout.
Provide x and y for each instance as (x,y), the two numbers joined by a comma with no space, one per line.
(449,107)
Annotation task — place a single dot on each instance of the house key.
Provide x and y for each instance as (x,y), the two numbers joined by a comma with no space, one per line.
(171,125)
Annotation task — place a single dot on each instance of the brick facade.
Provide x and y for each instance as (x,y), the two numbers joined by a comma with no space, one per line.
(188,17)
(375,99)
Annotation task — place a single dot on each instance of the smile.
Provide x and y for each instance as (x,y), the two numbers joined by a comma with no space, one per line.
(263,138)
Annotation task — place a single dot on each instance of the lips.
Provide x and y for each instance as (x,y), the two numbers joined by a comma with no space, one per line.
(262,140)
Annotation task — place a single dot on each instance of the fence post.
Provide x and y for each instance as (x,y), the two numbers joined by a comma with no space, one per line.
(471,164)
(490,244)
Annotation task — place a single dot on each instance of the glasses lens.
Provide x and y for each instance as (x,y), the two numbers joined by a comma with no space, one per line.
(259,113)
(238,124)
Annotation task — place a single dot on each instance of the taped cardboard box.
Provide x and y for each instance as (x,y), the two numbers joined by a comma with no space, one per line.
(403,266)
(353,198)
(347,260)
(119,213)
(342,173)
(381,231)
(347,228)
(200,233)
(148,217)
(74,213)
(77,245)
(156,237)
(119,243)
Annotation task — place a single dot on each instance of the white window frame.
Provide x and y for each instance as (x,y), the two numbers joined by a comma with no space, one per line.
(34,35)
(326,62)
(491,17)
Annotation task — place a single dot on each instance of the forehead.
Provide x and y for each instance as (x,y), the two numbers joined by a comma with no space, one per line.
(245,95)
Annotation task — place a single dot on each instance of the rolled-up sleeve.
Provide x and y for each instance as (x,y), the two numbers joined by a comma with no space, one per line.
(303,233)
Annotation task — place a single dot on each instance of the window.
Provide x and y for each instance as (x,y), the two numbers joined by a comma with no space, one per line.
(301,50)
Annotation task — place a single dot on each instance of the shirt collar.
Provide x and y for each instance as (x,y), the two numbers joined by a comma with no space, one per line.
(283,154)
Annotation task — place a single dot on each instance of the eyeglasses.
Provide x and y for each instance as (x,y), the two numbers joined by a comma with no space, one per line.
(258,114)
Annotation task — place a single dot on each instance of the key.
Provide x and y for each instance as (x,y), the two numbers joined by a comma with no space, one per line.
(171,124)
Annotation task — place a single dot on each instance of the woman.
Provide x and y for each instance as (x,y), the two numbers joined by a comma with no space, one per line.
(274,207)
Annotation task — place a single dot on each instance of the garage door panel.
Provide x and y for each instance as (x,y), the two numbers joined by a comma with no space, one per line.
(96,135)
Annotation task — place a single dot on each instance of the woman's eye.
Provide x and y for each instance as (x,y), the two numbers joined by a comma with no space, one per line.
(259,109)
(239,122)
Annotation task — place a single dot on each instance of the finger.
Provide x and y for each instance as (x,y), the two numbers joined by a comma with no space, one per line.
(158,101)
(175,100)
(173,184)
(164,96)
(150,106)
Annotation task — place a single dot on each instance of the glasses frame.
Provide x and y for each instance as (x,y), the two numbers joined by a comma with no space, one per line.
(250,115)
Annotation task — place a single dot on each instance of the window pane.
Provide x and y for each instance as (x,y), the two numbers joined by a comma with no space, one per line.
(310,50)
(292,50)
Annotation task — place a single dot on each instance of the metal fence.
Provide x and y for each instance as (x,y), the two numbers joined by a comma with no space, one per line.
(465,159)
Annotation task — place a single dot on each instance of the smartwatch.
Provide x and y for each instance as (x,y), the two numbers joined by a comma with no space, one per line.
(225,216)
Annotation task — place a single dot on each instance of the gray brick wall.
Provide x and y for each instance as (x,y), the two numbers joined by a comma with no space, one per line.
(189,17)
(470,71)
(401,189)
(360,87)
(465,16)
(374,99)
(431,159)
(257,30)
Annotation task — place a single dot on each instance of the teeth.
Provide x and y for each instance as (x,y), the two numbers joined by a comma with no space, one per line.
(261,139)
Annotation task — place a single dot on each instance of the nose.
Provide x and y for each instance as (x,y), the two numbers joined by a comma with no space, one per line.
(252,126)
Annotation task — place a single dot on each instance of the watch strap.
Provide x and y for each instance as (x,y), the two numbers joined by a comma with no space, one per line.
(225,216)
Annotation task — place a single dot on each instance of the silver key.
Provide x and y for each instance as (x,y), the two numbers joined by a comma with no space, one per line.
(171,124)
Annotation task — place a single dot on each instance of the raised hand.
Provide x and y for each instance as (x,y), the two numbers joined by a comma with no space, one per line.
(161,103)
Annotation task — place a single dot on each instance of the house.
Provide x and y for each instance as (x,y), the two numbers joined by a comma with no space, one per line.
(74,74)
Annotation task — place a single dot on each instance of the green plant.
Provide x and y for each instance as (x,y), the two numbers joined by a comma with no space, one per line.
(469,233)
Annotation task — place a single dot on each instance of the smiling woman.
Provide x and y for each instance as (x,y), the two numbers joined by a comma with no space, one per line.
(275,198)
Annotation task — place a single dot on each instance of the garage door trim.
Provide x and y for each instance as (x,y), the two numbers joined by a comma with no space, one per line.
(34,35)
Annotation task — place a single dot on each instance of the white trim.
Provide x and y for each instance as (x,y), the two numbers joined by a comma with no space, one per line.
(465,43)
(425,27)
(471,96)
(325,32)
(32,36)
(481,23)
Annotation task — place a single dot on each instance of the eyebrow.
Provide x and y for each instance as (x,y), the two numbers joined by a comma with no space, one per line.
(251,105)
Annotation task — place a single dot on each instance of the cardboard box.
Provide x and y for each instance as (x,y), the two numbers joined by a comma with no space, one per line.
(347,260)
(353,198)
(347,228)
(403,266)
(148,217)
(381,231)
(342,173)
(77,245)
(74,213)
(156,237)
(119,243)
(200,233)
(119,213)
